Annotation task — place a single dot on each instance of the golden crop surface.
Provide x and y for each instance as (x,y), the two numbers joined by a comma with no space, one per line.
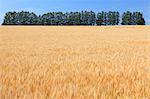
(74,62)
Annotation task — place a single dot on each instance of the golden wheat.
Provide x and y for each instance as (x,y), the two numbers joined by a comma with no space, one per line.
(74,62)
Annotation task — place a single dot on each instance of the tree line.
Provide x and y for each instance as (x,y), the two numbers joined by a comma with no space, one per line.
(74,18)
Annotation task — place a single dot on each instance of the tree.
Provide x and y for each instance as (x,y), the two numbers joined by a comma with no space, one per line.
(127,18)
(20,18)
(73,18)
(9,18)
(137,18)
(58,18)
(84,20)
(117,18)
(141,22)
(105,18)
(91,18)
(46,19)
(99,20)
(112,18)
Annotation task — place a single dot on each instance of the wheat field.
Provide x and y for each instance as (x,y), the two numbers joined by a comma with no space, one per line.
(74,62)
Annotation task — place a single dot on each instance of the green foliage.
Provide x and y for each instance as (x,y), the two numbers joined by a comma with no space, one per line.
(110,18)
(73,18)
(135,18)
(20,18)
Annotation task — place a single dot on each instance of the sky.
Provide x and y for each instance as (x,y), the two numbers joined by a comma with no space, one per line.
(44,6)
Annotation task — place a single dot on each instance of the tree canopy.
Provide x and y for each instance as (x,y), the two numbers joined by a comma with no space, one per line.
(74,18)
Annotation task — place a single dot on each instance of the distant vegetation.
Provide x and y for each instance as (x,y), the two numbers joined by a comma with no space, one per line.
(74,18)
